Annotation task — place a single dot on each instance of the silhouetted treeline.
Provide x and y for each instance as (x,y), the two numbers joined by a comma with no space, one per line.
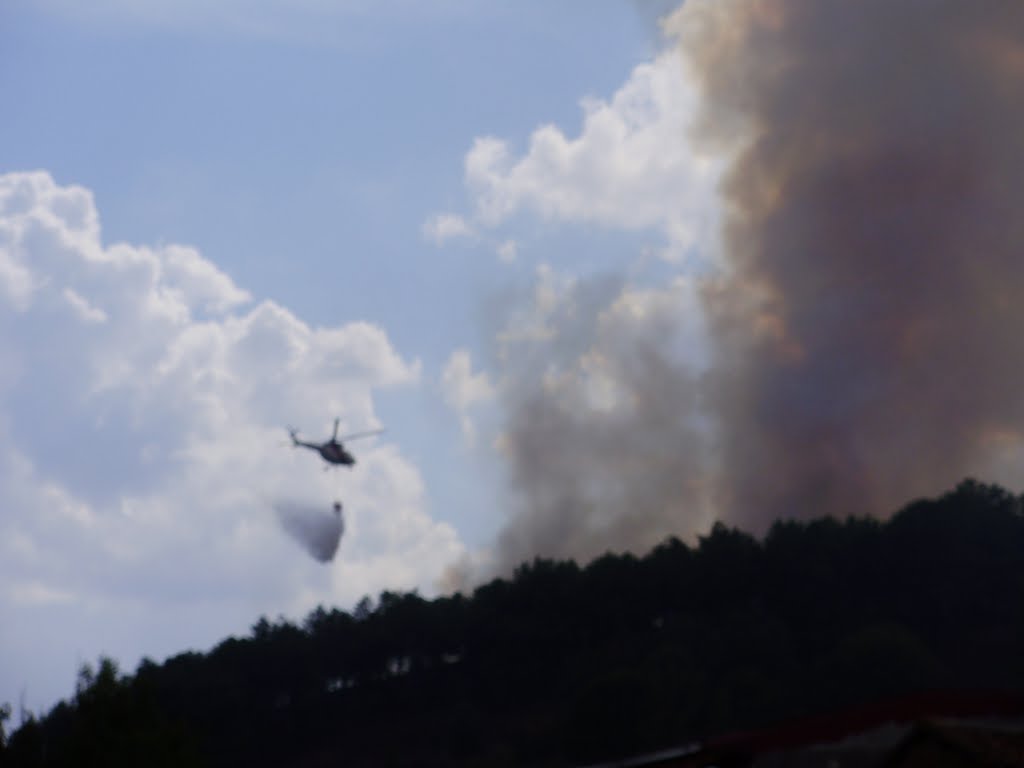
(564,664)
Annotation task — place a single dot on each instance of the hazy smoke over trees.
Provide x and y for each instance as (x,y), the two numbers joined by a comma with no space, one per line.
(864,331)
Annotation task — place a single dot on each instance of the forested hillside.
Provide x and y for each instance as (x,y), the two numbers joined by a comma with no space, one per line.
(565,664)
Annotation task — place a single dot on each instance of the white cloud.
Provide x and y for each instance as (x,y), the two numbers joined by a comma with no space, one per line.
(446,226)
(631,167)
(83,308)
(143,399)
(15,281)
(464,390)
(202,282)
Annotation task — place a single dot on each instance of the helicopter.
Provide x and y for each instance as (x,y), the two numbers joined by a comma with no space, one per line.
(333,451)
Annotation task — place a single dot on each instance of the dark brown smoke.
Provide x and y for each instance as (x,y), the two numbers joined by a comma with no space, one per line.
(868,343)
(866,329)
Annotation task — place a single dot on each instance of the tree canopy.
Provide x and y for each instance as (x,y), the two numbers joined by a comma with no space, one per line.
(565,664)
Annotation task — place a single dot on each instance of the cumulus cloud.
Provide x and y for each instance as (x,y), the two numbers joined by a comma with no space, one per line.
(626,169)
(142,403)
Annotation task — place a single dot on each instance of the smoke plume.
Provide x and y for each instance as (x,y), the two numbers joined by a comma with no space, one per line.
(867,343)
(316,529)
(864,331)
(603,438)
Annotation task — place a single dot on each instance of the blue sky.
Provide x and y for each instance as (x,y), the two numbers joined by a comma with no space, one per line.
(218,219)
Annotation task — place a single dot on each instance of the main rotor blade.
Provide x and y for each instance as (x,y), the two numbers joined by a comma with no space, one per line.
(357,435)
(334,434)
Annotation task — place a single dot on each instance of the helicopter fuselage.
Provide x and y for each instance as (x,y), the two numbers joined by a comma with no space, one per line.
(335,453)
(332,451)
